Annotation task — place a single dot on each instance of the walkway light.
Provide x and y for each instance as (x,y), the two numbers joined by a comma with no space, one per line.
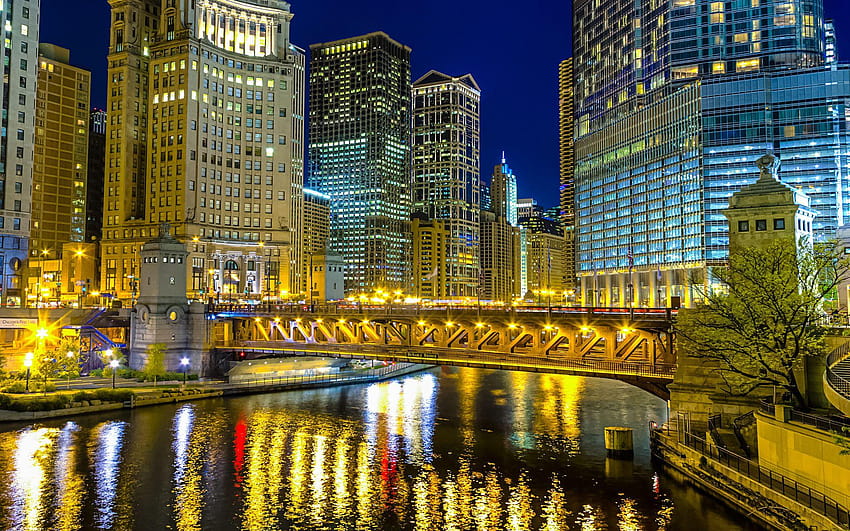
(513,326)
(450,324)
(28,365)
(422,323)
(114,364)
(184,362)
(479,325)
(42,333)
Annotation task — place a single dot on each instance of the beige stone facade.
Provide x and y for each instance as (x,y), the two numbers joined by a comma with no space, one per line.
(206,134)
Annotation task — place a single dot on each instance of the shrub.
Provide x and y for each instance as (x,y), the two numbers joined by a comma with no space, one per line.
(97,373)
(15,387)
(79,396)
(113,395)
(5,401)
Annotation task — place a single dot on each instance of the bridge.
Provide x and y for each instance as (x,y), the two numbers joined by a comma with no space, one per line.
(634,345)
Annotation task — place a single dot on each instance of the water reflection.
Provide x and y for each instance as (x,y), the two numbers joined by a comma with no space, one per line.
(462,450)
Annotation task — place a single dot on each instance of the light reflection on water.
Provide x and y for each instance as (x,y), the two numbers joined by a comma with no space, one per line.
(456,449)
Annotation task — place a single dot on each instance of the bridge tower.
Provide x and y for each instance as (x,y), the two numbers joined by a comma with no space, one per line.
(164,314)
(759,214)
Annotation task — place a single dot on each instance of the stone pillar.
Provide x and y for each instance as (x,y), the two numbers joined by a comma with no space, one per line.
(163,314)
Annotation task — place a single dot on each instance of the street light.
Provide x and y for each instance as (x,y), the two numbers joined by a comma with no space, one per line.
(79,254)
(114,364)
(184,362)
(28,365)
(70,355)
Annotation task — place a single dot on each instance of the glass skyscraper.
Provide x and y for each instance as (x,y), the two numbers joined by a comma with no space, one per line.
(359,151)
(673,107)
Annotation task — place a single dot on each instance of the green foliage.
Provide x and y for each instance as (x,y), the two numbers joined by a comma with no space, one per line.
(69,358)
(764,319)
(106,357)
(155,365)
(844,442)
(46,364)
(16,387)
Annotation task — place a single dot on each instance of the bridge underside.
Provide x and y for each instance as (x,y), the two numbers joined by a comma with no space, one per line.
(611,349)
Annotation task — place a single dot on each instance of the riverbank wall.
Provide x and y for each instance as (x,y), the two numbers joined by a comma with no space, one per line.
(766,497)
(221,390)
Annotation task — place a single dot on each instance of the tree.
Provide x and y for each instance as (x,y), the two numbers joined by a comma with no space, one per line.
(765,316)
(106,357)
(155,364)
(69,358)
(46,364)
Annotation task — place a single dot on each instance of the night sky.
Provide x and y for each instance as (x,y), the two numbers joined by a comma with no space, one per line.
(512,48)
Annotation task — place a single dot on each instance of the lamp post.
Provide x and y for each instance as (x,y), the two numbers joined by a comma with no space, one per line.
(28,365)
(79,254)
(114,364)
(184,362)
(70,355)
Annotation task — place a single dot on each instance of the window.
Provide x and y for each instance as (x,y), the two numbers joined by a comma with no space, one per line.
(743,226)
(761,225)
(779,224)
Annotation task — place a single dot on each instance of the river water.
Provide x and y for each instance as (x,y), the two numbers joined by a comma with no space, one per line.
(444,449)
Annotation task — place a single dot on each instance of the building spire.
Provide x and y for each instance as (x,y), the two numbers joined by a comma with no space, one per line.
(503,157)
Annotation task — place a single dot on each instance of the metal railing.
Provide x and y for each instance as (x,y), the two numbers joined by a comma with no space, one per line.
(833,424)
(838,383)
(457,357)
(802,494)
(367,375)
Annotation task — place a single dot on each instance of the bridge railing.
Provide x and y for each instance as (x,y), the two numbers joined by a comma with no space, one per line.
(460,357)
(408,309)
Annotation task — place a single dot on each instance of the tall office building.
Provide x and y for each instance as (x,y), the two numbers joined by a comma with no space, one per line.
(447,172)
(360,129)
(671,110)
(430,238)
(830,43)
(545,249)
(503,192)
(20,50)
(205,134)
(317,225)
(501,266)
(94,180)
(567,159)
(61,152)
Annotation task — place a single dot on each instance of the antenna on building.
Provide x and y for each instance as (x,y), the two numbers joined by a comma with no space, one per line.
(503,158)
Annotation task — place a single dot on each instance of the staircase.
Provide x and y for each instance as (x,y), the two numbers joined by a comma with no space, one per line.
(837,378)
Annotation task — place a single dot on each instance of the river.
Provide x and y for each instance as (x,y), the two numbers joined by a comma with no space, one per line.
(447,448)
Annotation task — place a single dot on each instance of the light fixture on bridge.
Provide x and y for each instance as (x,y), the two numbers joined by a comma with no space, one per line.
(365,321)
(479,325)
(586,329)
(627,330)
(549,328)
(342,321)
(297,319)
(319,320)
(422,323)
(450,324)
(513,326)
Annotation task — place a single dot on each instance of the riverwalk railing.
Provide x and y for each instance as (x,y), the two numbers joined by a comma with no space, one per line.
(832,423)
(802,494)
(367,375)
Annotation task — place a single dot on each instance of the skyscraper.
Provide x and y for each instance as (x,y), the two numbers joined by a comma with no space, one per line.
(205,134)
(20,49)
(446,172)
(671,112)
(567,158)
(360,116)
(61,152)
(94,180)
(503,192)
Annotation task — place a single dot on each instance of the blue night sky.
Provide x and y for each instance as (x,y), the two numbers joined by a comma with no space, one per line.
(512,48)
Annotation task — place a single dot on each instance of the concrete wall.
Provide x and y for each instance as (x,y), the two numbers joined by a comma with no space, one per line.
(805,454)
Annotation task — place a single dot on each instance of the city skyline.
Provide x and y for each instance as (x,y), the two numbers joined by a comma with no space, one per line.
(519,118)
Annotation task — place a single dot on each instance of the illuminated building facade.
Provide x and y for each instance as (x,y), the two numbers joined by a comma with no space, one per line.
(567,166)
(503,192)
(671,111)
(430,271)
(206,127)
(17,97)
(94,179)
(317,223)
(501,269)
(59,171)
(447,172)
(360,130)
(545,251)
(61,152)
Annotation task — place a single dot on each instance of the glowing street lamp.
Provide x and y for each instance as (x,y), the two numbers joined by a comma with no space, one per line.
(184,362)
(70,355)
(28,364)
(114,364)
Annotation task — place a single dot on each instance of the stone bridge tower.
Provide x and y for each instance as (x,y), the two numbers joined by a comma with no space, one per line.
(163,313)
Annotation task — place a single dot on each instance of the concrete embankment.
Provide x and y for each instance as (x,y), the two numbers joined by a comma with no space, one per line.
(768,499)
(213,391)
